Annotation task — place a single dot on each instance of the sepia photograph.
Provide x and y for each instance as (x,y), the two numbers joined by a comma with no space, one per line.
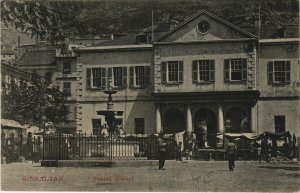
(150,95)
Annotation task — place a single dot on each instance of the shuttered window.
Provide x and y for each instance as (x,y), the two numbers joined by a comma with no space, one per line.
(203,71)
(235,69)
(139,76)
(96,78)
(279,72)
(117,76)
(172,72)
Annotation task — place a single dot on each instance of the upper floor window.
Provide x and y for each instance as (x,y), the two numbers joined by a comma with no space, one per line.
(279,72)
(235,69)
(203,71)
(172,72)
(139,76)
(67,69)
(67,88)
(96,78)
(118,76)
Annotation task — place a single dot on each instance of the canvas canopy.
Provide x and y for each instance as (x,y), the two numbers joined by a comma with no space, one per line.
(11,123)
(255,136)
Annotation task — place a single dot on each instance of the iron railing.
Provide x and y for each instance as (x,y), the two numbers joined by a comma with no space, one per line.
(97,147)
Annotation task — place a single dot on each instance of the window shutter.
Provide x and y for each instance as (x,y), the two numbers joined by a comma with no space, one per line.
(195,71)
(270,72)
(164,72)
(180,71)
(109,77)
(147,75)
(88,78)
(131,76)
(103,78)
(244,70)
(211,70)
(287,72)
(226,70)
(124,77)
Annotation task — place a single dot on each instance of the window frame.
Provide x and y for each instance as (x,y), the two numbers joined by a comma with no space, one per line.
(67,91)
(228,70)
(277,129)
(133,76)
(90,78)
(196,71)
(64,71)
(166,72)
(271,72)
(111,76)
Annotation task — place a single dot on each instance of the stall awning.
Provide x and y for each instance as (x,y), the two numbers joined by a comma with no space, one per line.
(256,136)
(11,123)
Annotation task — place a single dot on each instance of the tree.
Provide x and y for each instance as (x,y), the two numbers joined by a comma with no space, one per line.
(32,101)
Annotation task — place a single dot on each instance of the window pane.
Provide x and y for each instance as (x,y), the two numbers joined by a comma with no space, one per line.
(279,123)
(281,71)
(203,70)
(139,75)
(236,69)
(117,72)
(173,71)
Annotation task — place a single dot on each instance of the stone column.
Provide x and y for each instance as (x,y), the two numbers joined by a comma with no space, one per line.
(220,119)
(189,122)
(158,119)
(253,120)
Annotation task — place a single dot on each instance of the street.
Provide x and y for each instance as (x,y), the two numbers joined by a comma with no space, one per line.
(182,176)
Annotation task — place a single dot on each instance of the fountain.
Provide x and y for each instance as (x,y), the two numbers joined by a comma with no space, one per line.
(118,145)
(110,113)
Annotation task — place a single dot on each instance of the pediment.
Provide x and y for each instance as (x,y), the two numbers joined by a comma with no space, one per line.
(204,26)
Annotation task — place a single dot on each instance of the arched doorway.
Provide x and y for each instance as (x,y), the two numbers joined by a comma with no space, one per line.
(205,123)
(237,121)
(173,121)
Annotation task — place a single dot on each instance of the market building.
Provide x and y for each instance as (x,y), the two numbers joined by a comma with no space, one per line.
(204,73)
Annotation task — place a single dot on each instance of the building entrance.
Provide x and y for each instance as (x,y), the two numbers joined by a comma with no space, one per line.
(205,128)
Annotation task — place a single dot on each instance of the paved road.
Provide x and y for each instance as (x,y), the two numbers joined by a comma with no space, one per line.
(184,176)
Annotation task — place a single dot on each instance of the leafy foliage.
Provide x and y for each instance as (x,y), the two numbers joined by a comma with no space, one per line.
(32,101)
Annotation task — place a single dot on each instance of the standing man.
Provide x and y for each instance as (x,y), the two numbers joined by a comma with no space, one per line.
(231,150)
(161,151)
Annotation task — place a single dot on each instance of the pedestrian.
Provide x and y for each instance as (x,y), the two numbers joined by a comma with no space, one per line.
(268,154)
(259,153)
(178,151)
(162,151)
(231,150)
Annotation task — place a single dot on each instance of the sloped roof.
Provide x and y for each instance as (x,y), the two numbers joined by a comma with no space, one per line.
(209,14)
(37,57)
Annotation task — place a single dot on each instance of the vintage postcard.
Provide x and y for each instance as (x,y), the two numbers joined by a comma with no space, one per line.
(150,96)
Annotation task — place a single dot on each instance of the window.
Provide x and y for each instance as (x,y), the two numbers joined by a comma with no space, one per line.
(96,78)
(139,125)
(67,68)
(67,88)
(96,123)
(203,70)
(139,76)
(235,70)
(279,123)
(172,72)
(118,76)
(279,72)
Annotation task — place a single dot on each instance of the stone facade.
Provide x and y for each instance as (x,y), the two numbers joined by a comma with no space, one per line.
(246,105)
